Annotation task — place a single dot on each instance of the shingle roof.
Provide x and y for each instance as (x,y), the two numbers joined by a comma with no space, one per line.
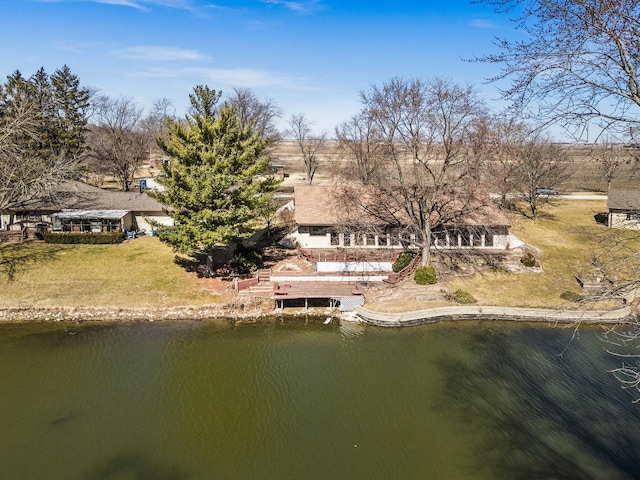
(80,196)
(317,205)
(623,199)
(314,205)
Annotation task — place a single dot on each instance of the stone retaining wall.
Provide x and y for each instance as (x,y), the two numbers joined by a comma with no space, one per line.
(407,319)
(35,314)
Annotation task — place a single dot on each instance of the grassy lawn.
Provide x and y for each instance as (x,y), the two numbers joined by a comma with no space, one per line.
(567,236)
(137,273)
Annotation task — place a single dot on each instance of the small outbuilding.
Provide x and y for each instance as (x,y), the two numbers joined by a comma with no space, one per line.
(624,208)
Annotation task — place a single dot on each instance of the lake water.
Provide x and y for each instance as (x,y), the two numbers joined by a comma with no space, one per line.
(303,400)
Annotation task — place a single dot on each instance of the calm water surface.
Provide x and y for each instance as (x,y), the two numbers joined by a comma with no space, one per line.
(311,401)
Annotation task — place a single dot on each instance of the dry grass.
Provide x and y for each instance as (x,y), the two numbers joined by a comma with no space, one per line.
(406,306)
(137,273)
(567,236)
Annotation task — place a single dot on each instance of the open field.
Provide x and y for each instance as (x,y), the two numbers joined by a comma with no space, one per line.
(585,167)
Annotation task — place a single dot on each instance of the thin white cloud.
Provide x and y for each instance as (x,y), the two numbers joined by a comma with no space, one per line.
(73,48)
(158,53)
(235,77)
(143,5)
(123,3)
(480,23)
(306,7)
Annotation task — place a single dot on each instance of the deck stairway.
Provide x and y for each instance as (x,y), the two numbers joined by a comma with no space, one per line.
(263,289)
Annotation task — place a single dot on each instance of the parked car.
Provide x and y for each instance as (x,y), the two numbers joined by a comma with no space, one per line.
(546,191)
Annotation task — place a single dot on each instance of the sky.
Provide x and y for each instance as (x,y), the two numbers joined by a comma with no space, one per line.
(307,56)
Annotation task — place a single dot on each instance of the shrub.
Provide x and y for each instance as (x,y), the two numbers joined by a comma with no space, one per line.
(571,296)
(528,260)
(402,261)
(245,260)
(462,296)
(425,275)
(84,238)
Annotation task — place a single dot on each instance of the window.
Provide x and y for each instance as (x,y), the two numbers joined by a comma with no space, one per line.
(317,231)
(95,225)
(633,215)
(29,217)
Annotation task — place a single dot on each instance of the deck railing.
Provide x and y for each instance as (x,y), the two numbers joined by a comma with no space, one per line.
(406,271)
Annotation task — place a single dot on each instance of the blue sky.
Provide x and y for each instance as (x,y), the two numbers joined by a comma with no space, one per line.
(310,56)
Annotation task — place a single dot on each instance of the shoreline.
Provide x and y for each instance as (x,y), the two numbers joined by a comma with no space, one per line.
(361,314)
(518,314)
(111,314)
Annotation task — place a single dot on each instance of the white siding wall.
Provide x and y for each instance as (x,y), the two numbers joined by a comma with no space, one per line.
(306,240)
(338,267)
(618,219)
(143,221)
(502,241)
(330,278)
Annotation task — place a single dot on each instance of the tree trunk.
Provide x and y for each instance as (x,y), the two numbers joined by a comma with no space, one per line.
(426,245)
(208,271)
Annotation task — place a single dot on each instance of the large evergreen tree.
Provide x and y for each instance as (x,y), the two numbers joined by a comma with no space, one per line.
(215,183)
(58,107)
(71,104)
(42,125)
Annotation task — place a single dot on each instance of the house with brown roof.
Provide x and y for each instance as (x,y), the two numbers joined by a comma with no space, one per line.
(624,208)
(324,222)
(78,207)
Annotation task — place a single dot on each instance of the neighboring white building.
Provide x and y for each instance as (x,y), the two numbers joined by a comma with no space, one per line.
(624,208)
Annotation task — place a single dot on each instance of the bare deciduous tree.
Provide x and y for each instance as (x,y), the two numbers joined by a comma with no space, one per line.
(611,156)
(539,167)
(501,169)
(308,143)
(24,176)
(262,114)
(118,141)
(31,166)
(156,123)
(427,177)
(359,144)
(577,64)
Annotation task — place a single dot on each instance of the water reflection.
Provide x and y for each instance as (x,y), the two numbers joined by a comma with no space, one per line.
(550,414)
(301,399)
(138,466)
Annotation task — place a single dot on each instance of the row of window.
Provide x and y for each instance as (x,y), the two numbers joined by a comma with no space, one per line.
(101,225)
(462,238)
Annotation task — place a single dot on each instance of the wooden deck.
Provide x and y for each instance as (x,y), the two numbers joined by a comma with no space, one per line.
(316,290)
(315,293)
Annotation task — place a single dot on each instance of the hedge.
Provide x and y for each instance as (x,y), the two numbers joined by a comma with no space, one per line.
(84,238)
(402,261)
